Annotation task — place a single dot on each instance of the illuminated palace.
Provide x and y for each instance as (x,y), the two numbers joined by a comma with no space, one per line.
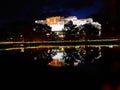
(65,28)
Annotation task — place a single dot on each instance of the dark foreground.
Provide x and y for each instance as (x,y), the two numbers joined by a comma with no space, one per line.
(16,66)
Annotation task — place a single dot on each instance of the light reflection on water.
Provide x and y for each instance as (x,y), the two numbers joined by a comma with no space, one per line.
(89,65)
(74,55)
(55,55)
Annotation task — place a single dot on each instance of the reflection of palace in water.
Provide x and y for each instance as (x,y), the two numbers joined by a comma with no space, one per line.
(67,56)
(53,55)
(74,56)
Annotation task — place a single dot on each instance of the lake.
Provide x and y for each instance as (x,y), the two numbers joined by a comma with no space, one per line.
(96,66)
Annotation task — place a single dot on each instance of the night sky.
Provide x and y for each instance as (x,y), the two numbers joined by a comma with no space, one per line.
(24,12)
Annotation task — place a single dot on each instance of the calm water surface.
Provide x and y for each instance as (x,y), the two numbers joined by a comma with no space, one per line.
(94,66)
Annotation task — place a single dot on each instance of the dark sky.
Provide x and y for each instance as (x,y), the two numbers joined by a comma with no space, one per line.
(29,10)
(21,13)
